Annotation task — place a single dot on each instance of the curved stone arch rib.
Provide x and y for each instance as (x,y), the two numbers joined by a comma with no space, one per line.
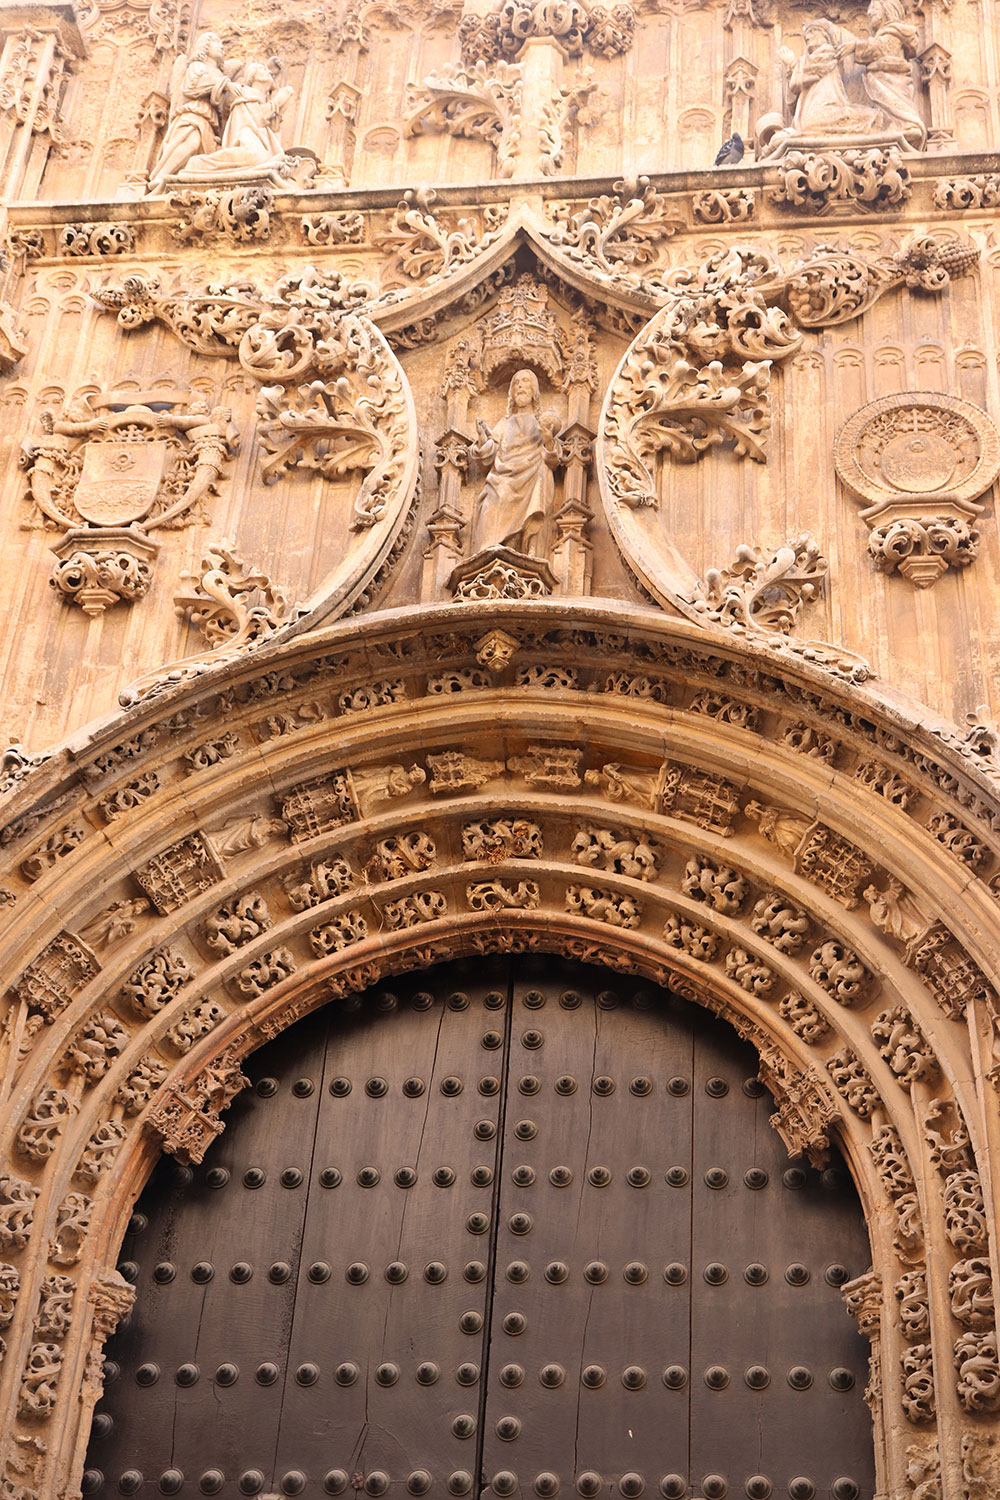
(213,1072)
(680,736)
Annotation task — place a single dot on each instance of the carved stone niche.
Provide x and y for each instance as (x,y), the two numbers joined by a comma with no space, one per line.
(99,566)
(919,460)
(111,470)
(525,533)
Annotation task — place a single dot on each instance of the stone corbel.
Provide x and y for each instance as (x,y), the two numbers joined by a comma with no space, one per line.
(100,566)
(502,573)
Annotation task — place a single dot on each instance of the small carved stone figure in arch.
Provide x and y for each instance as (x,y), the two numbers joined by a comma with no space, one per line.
(514,508)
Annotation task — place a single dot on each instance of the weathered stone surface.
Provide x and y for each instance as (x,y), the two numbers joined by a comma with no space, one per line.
(478,568)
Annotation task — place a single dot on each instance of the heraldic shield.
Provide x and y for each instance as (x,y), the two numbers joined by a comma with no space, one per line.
(120,479)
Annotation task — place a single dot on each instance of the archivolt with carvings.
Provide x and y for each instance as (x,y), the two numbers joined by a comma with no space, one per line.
(312,817)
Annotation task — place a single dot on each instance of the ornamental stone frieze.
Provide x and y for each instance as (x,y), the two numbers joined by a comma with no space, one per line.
(919,462)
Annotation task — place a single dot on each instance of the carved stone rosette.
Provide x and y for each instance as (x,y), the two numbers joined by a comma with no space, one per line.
(919,460)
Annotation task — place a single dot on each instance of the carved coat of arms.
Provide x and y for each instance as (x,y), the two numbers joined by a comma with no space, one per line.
(114,468)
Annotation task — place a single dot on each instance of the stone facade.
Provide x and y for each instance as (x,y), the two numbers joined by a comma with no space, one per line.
(442,513)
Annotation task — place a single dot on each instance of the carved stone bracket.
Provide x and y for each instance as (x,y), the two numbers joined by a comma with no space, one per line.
(238,214)
(919,460)
(356,414)
(821,182)
(100,566)
(502,573)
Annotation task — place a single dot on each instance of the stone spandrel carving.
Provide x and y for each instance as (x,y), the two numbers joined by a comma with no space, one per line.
(356,415)
(615,233)
(359,418)
(423,244)
(698,376)
(919,461)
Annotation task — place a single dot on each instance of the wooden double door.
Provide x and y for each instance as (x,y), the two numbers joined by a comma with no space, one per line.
(518,1228)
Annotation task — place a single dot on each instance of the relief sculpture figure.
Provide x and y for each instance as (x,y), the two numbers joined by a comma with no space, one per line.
(250,140)
(514,508)
(888,77)
(842,84)
(201,87)
(817,84)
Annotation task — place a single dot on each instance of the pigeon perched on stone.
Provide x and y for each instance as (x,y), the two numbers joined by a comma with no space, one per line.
(731,151)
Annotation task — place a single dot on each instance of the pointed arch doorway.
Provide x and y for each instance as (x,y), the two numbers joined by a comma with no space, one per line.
(517,1227)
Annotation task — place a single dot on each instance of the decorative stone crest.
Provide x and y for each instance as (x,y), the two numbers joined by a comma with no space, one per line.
(116,468)
(919,460)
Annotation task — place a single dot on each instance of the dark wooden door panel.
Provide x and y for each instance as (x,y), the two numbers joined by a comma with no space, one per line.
(397,1330)
(521,1228)
(602,1323)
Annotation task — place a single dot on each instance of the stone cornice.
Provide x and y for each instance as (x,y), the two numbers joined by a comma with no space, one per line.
(922,168)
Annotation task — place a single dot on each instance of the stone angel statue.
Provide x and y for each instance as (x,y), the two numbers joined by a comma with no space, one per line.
(514,508)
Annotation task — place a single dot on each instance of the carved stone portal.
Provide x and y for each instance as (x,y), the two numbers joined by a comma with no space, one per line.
(920,460)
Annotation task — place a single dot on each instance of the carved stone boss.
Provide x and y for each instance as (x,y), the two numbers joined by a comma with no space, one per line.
(919,461)
(115,469)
